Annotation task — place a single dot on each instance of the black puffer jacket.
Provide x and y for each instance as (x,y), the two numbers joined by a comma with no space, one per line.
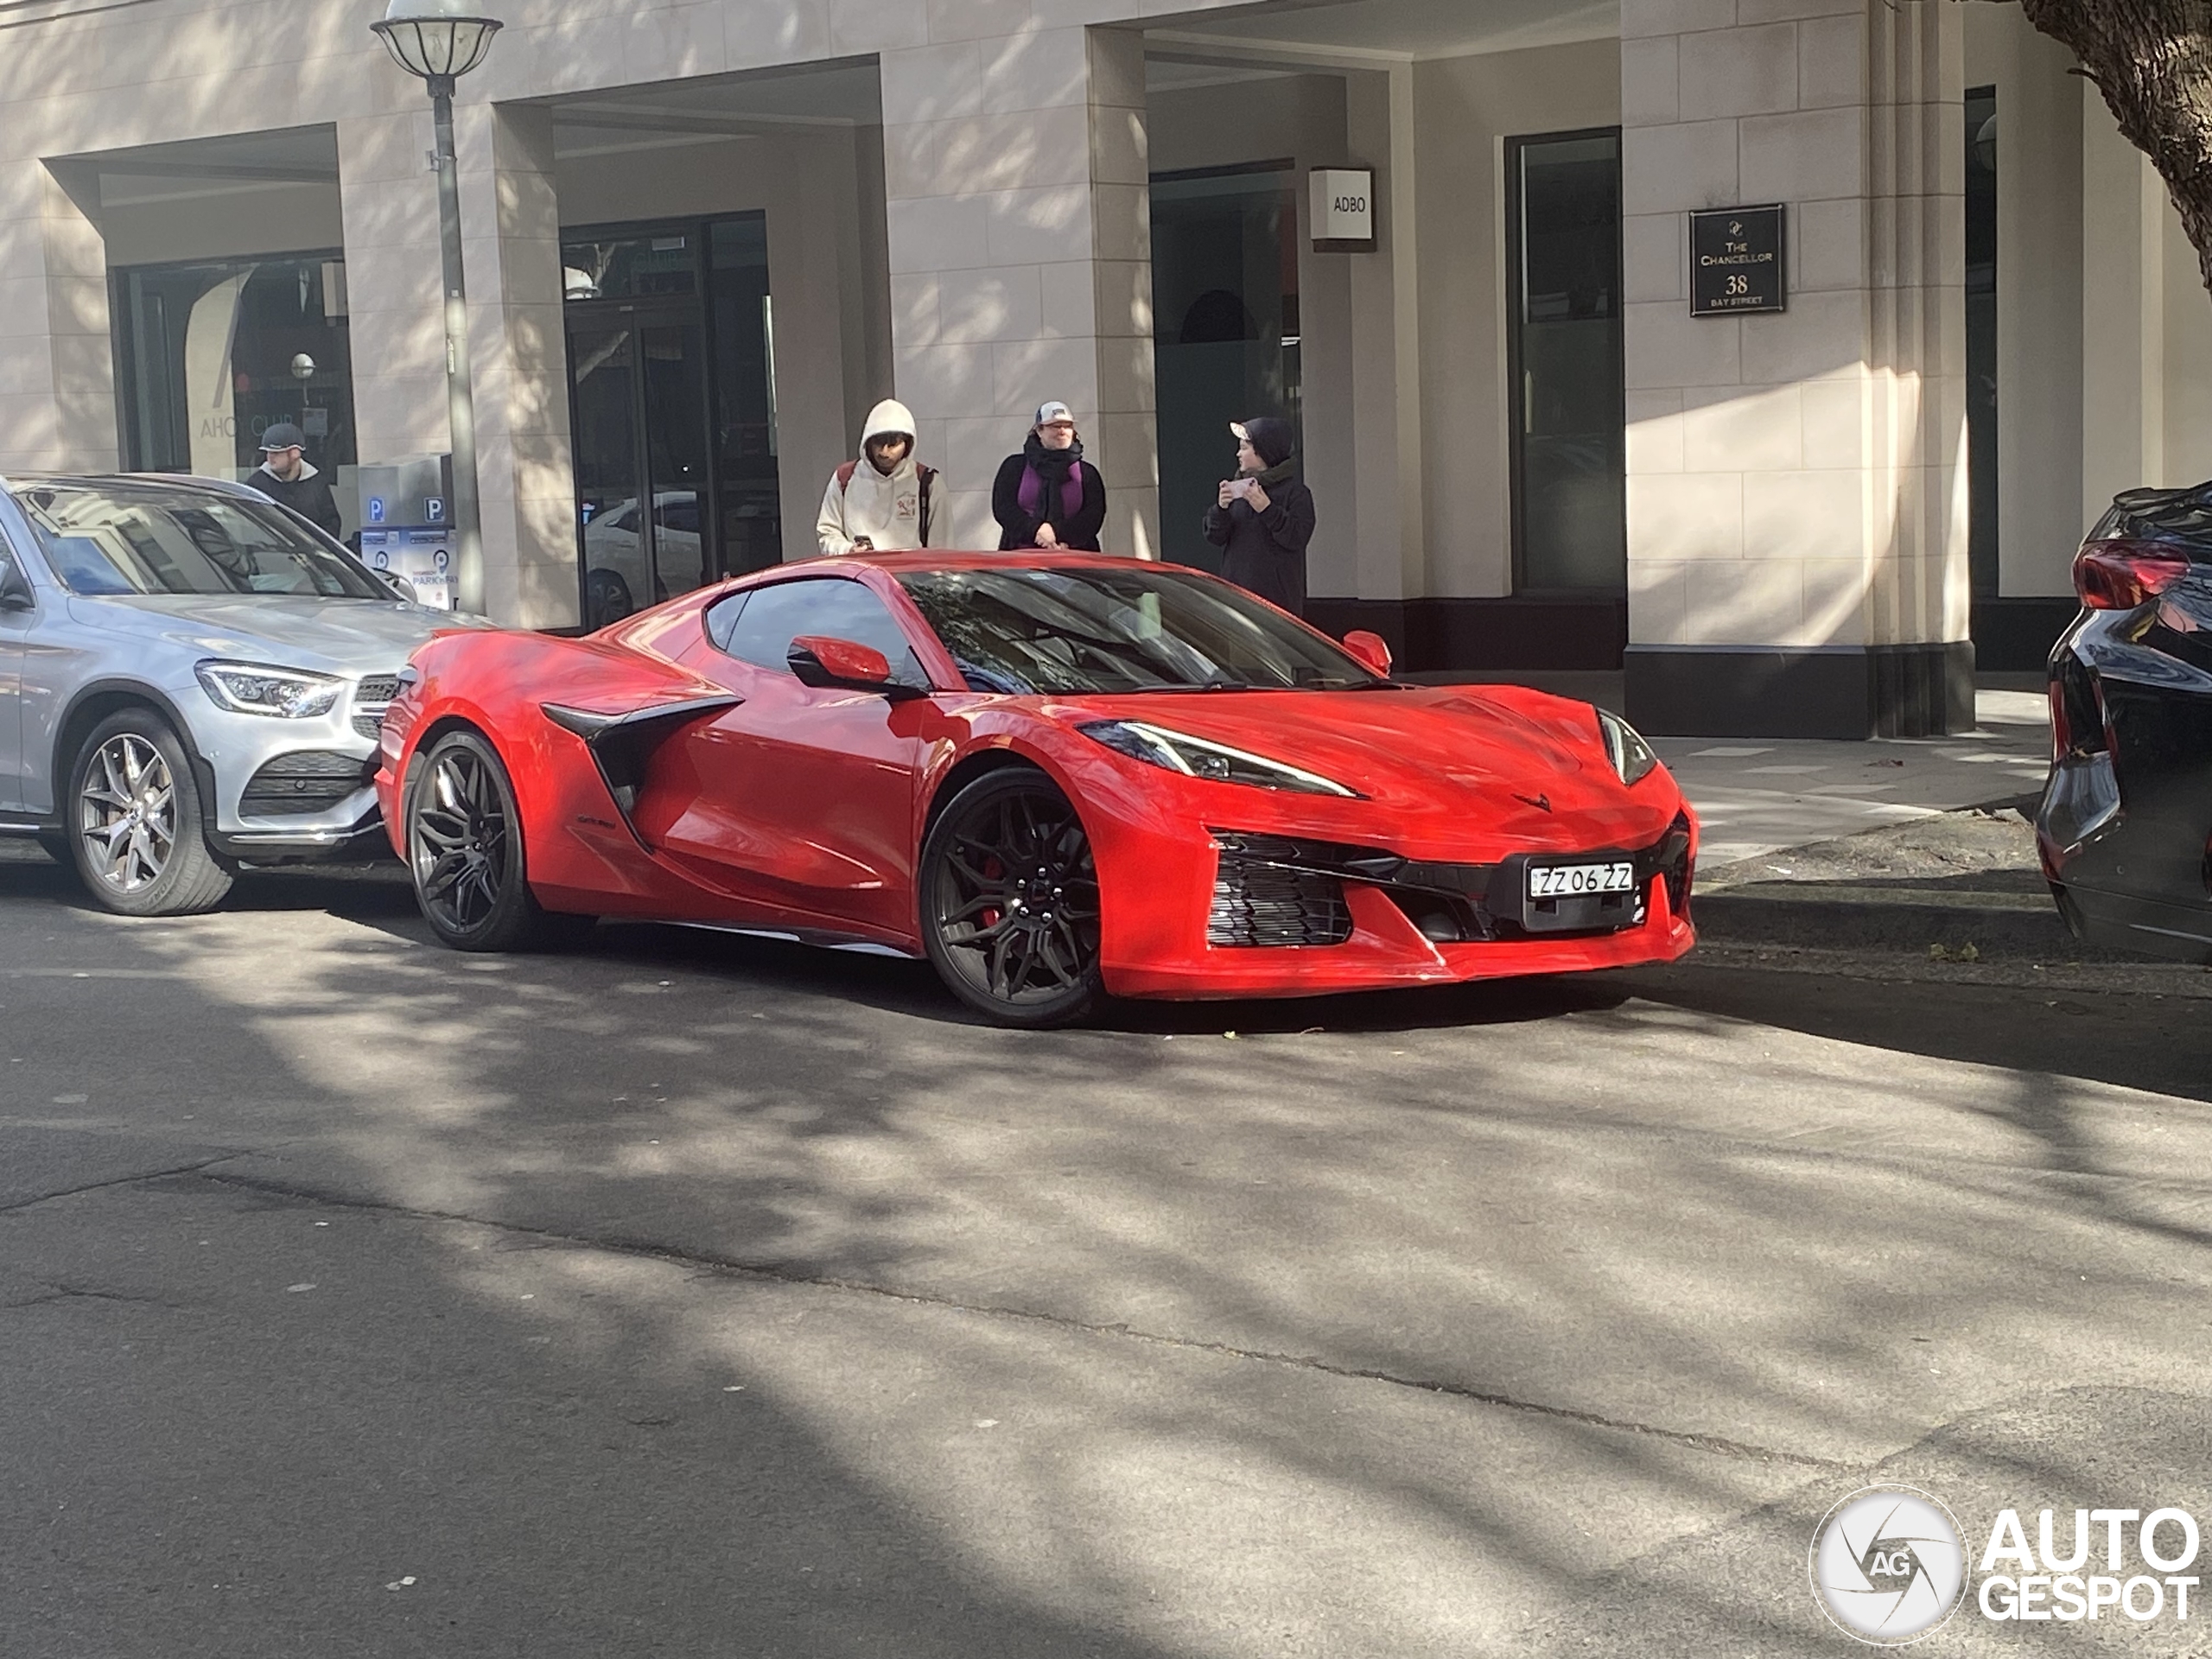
(309,495)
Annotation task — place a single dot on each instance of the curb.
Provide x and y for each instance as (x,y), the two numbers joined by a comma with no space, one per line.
(2010,924)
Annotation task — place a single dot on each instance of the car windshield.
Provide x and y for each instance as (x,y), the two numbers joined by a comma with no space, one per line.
(125,539)
(1028,629)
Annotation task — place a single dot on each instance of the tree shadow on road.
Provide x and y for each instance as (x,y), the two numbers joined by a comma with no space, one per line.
(2130,1037)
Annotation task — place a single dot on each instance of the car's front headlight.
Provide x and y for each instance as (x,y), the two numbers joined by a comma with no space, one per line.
(1199,757)
(285,693)
(1630,755)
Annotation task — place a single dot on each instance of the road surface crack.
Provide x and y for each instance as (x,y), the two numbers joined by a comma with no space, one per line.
(732,1267)
(119,1180)
(59,1292)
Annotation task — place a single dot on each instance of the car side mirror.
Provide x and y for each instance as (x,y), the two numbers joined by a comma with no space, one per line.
(400,588)
(1372,651)
(825,663)
(15,592)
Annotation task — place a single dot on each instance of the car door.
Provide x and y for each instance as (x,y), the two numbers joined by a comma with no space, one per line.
(800,798)
(17,611)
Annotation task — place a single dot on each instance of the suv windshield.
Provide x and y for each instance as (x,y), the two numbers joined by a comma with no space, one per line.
(125,539)
(1146,628)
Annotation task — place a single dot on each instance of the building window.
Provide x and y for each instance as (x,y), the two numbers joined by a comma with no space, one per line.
(1981,338)
(672,400)
(214,354)
(1225,339)
(1564,359)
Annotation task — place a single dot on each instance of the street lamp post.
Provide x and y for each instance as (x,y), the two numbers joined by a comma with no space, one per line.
(439,41)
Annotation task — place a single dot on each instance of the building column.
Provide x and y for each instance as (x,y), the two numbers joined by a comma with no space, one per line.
(1796,488)
(519,350)
(517,343)
(388,205)
(1018,209)
(57,367)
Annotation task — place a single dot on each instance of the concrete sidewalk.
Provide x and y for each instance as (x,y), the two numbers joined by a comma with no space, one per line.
(1760,794)
(1754,795)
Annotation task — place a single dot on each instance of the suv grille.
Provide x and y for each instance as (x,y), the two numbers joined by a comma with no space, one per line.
(1257,901)
(309,780)
(369,700)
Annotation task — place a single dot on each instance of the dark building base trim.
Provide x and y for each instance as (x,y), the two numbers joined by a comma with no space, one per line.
(1847,693)
(2014,636)
(1436,635)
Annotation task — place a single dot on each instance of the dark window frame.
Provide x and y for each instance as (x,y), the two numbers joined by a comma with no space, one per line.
(1516,302)
(124,345)
(661,311)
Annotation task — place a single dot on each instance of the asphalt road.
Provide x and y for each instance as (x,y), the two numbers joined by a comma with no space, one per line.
(692,1295)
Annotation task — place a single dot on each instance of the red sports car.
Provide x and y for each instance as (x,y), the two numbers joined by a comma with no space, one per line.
(1054,775)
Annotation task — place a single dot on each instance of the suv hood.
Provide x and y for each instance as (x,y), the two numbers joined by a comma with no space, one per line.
(337,636)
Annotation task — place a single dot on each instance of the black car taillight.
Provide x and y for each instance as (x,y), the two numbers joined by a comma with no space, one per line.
(2119,574)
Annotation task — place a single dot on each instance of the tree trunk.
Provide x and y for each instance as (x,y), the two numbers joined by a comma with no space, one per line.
(2153,62)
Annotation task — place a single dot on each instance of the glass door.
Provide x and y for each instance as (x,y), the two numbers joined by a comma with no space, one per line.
(1570,501)
(637,401)
(672,407)
(1224,287)
(602,405)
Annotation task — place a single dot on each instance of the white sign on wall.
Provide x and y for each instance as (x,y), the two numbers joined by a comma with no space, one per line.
(1341,203)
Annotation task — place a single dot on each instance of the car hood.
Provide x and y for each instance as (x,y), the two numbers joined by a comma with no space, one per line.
(1516,762)
(292,631)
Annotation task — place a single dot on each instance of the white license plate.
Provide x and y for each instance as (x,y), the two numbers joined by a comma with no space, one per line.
(1568,880)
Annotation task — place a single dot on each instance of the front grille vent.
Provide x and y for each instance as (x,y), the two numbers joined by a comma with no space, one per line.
(308,780)
(1259,902)
(370,698)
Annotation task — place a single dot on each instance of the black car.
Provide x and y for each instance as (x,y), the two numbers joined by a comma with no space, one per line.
(2125,828)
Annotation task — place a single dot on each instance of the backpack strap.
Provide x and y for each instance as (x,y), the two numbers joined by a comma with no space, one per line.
(927,475)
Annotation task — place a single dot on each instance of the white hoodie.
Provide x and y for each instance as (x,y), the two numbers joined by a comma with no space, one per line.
(886,510)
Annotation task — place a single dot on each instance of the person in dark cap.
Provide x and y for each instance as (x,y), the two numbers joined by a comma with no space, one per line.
(286,476)
(1263,518)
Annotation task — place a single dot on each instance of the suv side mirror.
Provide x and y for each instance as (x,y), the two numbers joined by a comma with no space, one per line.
(400,587)
(15,591)
(824,663)
(1372,651)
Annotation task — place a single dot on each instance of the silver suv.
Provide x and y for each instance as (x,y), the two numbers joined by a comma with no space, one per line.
(191,678)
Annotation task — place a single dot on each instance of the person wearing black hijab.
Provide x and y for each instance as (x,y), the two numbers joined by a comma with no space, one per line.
(1264,517)
(1048,495)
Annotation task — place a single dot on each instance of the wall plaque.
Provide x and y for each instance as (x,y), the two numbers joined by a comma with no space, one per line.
(1736,262)
(1342,201)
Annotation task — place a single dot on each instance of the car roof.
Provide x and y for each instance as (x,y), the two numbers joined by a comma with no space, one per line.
(188,481)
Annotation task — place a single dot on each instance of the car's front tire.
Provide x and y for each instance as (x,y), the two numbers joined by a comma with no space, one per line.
(464,851)
(1009,901)
(134,832)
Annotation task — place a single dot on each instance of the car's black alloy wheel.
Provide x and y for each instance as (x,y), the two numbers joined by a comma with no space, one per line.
(135,831)
(1010,901)
(465,849)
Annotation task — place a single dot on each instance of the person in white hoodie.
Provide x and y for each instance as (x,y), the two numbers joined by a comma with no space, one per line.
(887,501)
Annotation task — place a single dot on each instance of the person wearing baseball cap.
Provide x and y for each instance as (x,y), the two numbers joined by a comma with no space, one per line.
(1048,495)
(286,476)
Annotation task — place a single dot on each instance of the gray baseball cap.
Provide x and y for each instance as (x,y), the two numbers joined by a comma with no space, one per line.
(282,436)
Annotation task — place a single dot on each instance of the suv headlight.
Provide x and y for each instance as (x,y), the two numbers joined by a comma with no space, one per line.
(285,693)
(1630,755)
(1199,757)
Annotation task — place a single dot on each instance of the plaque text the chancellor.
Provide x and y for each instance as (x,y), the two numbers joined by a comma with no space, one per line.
(1735,261)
